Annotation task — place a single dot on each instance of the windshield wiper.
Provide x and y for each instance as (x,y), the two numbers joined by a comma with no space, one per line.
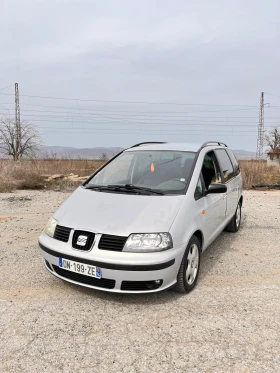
(135,187)
(97,187)
(128,188)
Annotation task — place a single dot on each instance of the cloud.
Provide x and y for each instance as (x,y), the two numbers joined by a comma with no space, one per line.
(216,52)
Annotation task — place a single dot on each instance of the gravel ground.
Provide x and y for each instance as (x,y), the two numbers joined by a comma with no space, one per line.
(229,323)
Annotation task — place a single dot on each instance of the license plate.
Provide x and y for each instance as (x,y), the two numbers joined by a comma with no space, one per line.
(81,268)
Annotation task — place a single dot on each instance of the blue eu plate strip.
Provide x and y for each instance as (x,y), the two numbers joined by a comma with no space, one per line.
(98,272)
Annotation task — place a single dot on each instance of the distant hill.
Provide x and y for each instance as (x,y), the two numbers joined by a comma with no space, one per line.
(85,153)
(94,153)
(244,154)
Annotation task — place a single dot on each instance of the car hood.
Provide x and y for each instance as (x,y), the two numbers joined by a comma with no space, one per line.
(118,214)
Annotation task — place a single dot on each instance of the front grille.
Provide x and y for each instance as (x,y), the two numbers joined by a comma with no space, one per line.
(113,243)
(82,279)
(140,285)
(62,233)
(85,242)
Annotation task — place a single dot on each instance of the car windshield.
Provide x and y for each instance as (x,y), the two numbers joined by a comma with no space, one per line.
(165,171)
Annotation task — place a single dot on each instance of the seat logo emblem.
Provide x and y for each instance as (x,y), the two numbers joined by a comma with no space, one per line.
(82,240)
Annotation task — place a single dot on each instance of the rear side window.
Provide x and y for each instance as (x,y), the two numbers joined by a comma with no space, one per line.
(226,165)
(234,162)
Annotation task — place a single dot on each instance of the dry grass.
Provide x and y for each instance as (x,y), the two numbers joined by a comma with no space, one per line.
(32,174)
(258,172)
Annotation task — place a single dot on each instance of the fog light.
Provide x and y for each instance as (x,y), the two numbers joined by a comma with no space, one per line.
(152,285)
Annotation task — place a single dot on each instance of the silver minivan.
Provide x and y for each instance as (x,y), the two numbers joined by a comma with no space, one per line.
(140,223)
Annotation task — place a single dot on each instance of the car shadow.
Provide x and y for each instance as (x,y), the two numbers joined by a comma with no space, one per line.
(164,296)
(215,254)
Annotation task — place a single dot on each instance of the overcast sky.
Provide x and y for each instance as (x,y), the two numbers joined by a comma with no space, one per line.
(213,53)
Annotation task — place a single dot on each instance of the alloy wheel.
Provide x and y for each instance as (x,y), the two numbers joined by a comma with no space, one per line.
(192,264)
(238,215)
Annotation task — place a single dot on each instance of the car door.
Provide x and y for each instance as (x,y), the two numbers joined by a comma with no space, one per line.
(215,203)
(229,179)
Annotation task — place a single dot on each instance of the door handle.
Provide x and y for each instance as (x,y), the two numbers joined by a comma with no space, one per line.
(224,197)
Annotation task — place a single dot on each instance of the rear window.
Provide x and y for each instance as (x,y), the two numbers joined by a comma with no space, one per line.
(234,162)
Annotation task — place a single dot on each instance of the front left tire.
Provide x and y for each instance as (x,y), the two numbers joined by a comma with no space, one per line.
(189,268)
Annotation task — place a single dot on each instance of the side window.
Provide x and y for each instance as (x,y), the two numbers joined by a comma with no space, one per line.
(226,164)
(210,170)
(198,190)
(234,162)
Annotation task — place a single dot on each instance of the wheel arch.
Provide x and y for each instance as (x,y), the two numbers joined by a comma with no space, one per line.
(241,200)
(199,235)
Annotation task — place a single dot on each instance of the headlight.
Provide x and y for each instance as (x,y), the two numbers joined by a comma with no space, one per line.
(50,227)
(148,242)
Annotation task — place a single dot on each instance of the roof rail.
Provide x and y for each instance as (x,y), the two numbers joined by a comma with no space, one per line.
(208,143)
(148,142)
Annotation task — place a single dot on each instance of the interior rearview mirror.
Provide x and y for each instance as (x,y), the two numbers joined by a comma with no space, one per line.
(216,188)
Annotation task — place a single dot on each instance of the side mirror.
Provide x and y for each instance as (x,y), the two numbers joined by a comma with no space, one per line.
(216,188)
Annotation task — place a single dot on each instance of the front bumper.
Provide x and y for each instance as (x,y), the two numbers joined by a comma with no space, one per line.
(121,272)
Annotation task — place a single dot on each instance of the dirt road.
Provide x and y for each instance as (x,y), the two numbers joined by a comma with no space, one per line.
(229,323)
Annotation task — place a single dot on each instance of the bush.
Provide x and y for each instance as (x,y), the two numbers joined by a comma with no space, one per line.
(32,174)
(258,172)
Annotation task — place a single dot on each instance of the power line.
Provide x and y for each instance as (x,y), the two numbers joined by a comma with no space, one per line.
(260,142)
(130,130)
(8,86)
(154,123)
(147,133)
(134,111)
(17,123)
(5,109)
(112,112)
(271,94)
(144,120)
(150,134)
(131,113)
(131,102)
(81,130)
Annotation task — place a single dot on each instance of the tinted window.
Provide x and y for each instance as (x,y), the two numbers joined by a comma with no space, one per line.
(234,162)
(226,165)
(210,170)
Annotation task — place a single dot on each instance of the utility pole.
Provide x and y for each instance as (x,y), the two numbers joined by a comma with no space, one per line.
(260,144)
(17,123)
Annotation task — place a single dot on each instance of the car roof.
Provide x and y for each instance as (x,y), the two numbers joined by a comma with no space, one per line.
(181,146)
